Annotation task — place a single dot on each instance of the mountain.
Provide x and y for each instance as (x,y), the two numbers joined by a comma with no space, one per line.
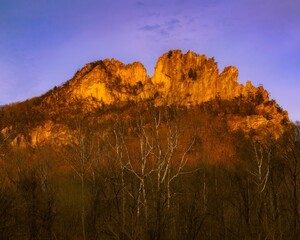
(185,80)
(188,153)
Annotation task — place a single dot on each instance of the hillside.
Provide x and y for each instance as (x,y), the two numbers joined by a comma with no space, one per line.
(186,154)
(184,80)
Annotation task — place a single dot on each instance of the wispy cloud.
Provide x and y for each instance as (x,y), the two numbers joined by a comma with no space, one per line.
(140,4)
(162,29)
(163,32)
(172,24)
(150,27)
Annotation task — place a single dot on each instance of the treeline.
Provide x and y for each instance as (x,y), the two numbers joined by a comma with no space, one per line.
(152,173)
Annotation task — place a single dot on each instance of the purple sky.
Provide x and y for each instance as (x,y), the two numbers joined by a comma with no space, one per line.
(44,42)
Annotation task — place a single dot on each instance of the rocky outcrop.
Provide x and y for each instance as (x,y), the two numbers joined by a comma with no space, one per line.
(103,82)
(191,79)
(183,79)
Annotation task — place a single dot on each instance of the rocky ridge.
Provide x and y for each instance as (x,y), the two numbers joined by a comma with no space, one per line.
(182,79)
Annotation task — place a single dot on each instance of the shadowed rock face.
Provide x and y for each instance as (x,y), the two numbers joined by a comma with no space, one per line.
(182,79)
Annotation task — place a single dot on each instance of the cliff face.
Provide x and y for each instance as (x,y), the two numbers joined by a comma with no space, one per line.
(191,79)
(103,82)
(181,79)
(184,79)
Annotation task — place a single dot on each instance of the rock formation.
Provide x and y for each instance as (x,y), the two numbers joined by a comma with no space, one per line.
(191,79)
(181,79)
(184,79)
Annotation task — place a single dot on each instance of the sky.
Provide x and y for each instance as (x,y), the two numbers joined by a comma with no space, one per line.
(44,42)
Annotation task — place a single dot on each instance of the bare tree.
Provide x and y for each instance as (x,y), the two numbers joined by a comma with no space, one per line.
(154,147)
(80,157)
(261,169)
(136,161)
